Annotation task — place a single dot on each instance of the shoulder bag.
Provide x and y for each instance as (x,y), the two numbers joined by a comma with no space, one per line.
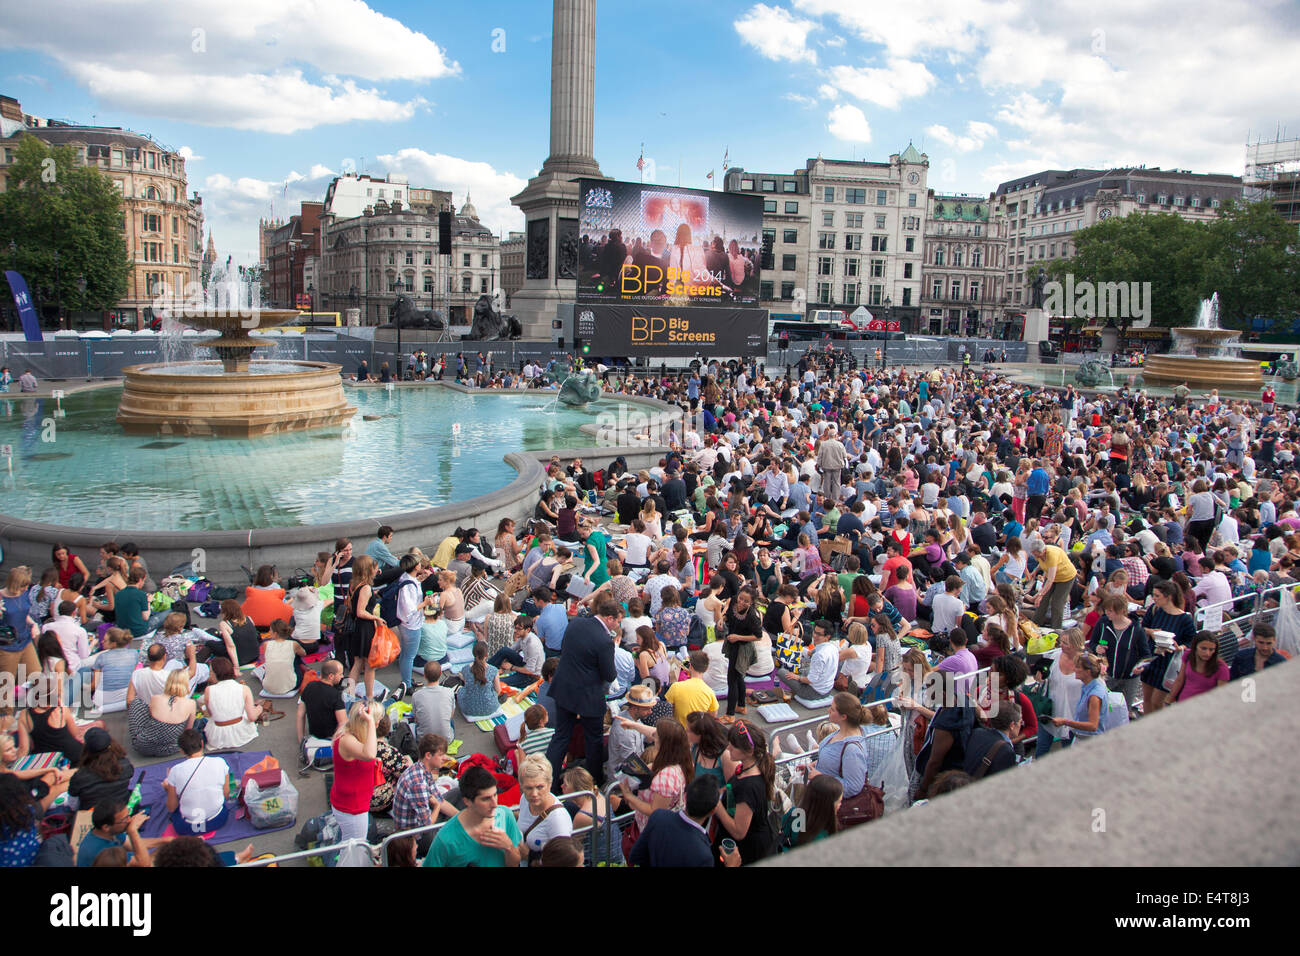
(867,805)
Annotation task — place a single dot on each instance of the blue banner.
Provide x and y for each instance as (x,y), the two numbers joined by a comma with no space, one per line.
(23,302)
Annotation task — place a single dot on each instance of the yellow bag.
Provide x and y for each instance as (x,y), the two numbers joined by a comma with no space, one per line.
(1041,644)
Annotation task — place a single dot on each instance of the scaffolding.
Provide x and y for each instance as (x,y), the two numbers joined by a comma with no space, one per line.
(1273,173)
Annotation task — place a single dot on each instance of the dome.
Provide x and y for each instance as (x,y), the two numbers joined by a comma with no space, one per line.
(468,210)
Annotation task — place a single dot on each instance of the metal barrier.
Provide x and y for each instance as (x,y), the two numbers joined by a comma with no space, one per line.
(306,854)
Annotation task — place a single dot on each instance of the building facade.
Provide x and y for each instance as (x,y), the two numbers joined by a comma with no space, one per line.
(1043,211)
(288,249)
(347,196)
(162,223)
(963,286)
(846,233)
(363,258)
(512,265)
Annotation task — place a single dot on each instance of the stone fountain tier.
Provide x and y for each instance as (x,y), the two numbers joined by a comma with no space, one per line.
(232,405)
(1199,359)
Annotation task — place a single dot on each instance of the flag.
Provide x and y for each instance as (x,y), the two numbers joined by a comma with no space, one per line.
(710,176)
(640,163)
(285,191)
(725,155)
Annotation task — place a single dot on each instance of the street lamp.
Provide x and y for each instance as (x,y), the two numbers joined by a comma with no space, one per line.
(81,290)
(884,354)
(311,300)
(397,287)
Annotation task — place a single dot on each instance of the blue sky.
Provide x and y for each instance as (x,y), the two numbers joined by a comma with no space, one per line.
(272,99)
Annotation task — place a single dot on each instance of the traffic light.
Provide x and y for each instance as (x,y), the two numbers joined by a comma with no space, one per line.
(586,349)
(768,260)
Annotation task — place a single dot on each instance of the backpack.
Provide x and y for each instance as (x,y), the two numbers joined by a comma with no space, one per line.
(388,602)
(403,740)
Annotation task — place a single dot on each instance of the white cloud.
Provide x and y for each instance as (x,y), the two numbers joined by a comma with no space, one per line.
(887,86)
(777,35)
(834,43)
(848,123)
(490,188)
(804,101)
(976,135)
(905,31)
(224,64)
(828,92)
(189,155)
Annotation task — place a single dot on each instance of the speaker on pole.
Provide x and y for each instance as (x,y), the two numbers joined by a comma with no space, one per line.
(444,233)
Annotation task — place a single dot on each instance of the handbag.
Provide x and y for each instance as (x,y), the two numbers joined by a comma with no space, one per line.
(385,647)
(8,637)
(867,805)
(345,626)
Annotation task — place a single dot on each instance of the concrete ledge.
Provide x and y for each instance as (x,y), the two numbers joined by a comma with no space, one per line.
(223,552)
(1204,783)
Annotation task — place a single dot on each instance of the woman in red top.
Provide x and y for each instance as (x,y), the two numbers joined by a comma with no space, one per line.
(67,563)
(355,746)
(1201,669)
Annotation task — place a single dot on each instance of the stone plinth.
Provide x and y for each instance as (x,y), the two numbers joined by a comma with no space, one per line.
(239,405)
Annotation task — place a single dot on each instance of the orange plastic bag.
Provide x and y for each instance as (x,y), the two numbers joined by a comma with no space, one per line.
(385,647)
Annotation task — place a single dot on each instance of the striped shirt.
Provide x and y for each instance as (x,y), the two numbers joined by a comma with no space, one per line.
(537,741)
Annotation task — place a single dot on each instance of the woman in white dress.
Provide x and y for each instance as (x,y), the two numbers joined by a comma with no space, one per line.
(1064,689)
(232,715)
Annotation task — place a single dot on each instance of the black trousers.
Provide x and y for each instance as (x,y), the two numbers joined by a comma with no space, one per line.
(593,731)
(735,688)
(1034,506)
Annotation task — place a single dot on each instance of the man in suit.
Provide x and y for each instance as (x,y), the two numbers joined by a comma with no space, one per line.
(990,749)
(673,838)
(585,672)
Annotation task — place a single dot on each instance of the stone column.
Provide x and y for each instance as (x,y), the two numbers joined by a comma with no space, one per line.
(573,88)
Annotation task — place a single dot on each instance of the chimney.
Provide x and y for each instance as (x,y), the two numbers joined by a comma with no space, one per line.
(10,109)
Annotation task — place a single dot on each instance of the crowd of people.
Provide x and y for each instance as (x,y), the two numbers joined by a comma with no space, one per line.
(962,573)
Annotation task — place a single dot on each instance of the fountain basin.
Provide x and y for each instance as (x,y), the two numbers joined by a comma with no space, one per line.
(248,404)
(1195,370)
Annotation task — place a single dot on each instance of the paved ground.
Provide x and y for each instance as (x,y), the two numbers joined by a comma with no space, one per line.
(281,739)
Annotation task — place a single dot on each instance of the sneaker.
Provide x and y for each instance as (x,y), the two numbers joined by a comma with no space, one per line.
(400,691)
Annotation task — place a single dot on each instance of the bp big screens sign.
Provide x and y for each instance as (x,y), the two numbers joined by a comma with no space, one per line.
(654,245)
(627,331)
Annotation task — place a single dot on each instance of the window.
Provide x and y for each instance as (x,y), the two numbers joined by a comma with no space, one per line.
(977,230)
(907,297)
(880,221)
(769,185)
(790,235)
(788,186)
(911,199)
(1052,249)
(1161,199)
(956,257)
(391,233)
(152,222)
(1214,204)
(974,291)
(907,270)
(850,293)
(176,225)
(850,267)
(483,285)
(938,256)
(769,205)
(428,283)
(853,241)
(882,197)
(856,196)
(483,264)
(1142,199)
(956,288)
(877,294)
(828,194)
(370,192)
(787,263)
(769,237)
(410,257)
(765,290)
(464,259)
(825,240)
(467,284)
(428,258)
(828,219)
(853,220)
(787,290)
(747,184)
(879,243)
(909,245)
(792,209)
(176,252)
(825,266)
(428,233)
(936,291)
(877,268)
(975,258)
(823,292)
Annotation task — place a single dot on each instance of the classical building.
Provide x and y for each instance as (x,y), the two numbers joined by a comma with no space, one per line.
(848,233)
(1044,210)
(786,219)
(288,249)
(347,196)
(162,223)
(363,258)
(512,265)
(963,276)
(265,229)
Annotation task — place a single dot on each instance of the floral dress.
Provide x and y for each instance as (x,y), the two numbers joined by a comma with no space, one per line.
(672,625)
(393,764)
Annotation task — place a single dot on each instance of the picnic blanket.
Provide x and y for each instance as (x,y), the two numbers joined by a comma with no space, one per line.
(42,761)
(154,799)
(510,713)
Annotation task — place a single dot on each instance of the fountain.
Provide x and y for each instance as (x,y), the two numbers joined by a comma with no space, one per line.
(1204,354)
(233,397)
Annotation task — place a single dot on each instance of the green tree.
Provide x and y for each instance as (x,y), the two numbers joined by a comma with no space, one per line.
(1254,264)
(61,223)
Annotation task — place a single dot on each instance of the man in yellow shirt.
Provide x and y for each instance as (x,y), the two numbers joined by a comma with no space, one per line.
(691,695)
(1058,573)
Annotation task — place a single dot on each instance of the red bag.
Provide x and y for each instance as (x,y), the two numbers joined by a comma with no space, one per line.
(507,786)
(385,647)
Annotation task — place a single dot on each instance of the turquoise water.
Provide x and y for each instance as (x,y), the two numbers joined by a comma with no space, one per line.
(1064,375)
(81,470)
